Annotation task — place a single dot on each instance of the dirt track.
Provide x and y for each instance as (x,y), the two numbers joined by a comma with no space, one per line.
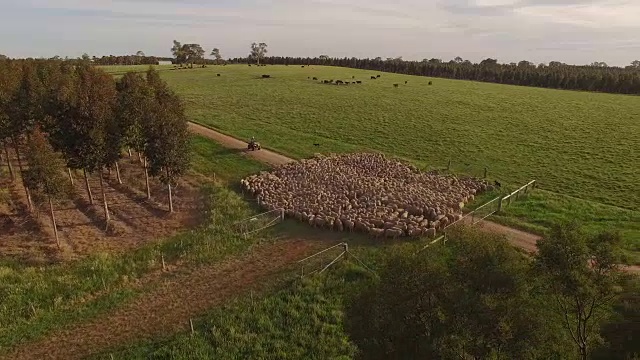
(518,238)
(265,156)
(168,307)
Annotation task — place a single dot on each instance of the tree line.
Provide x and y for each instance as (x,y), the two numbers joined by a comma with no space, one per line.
(555,75)
(479,298)
(57,115)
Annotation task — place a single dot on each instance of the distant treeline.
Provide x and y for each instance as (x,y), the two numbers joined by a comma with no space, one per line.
(127,60)
(555,75)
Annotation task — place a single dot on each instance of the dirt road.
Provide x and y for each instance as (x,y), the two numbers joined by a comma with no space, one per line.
(265,156)
(169,306)
(518,238)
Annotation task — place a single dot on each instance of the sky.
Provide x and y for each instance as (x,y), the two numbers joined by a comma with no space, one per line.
(571,31)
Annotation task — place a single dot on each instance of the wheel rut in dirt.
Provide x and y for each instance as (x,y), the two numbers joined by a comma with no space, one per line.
(169,306)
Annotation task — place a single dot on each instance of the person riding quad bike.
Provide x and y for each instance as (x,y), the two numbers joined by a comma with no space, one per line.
(253,145)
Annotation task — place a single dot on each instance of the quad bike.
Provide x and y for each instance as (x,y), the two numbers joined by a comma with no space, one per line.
(253,146)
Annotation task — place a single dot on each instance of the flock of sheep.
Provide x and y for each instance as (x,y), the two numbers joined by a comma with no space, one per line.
(364,192)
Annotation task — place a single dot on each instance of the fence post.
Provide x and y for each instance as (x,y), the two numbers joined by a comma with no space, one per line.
(282,214)
(500,205)
(191,324)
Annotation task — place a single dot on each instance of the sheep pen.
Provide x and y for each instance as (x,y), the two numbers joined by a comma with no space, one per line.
(364,192)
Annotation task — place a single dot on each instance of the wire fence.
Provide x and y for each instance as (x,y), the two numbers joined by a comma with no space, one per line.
(321,261)
(484,211)
(522,192)
(258,222)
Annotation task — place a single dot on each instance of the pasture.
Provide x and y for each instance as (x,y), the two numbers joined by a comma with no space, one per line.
(581,144)
(581,147)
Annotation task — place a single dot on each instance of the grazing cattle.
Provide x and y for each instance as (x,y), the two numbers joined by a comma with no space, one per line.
(338,82)
(315,78)
(405,82)
(302,66)
(217,74)
(353,77)
(325,81)
(430,82)
(316,144)
(395,85)
(308,77)
(377,76)
(358,82)
(266,76)
(249,65)
(497,183)
(373,78)
(353,82)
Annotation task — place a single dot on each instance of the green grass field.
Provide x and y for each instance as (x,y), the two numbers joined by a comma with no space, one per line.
(581,147)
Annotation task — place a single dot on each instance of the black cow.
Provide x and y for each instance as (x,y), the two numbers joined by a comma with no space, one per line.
(405,82)
(358,82)
(338,82)
(316,144)
(497,183)
(315,78)
(266,76)
(377,76)
(395,85)
(217,74)
(430,82)
(353,77)
(373,78)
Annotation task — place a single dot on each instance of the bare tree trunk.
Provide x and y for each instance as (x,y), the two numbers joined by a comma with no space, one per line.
(118,173)
(170,198)
(140,157)
(146,178)
(6,152)
(86,181)
(26,189)
(70,176)
(53,221)
(104,201)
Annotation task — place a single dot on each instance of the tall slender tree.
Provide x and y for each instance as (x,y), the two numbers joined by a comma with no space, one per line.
(133,113)
(168,138)
(43,176)
(24,111)
(8,84)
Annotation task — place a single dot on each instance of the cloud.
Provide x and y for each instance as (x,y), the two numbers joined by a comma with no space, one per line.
(538,30)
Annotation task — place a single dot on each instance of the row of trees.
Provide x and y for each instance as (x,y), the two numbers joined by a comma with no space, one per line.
(478,298)
(54,113)
(553,75)
(138,59)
